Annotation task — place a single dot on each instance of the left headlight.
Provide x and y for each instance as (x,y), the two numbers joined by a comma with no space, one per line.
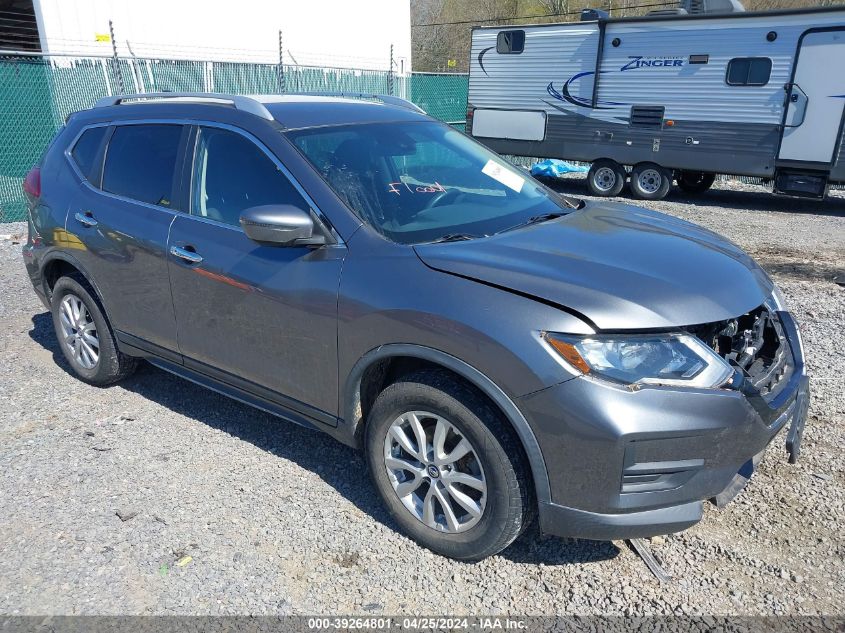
(661,359)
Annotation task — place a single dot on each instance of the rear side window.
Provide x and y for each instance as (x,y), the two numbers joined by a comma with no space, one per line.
(749,71)
(510,42)
(87,148)
(141,162)
(232,174)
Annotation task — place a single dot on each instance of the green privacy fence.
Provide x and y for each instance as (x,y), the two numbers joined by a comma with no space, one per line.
(443,96)
(38,92)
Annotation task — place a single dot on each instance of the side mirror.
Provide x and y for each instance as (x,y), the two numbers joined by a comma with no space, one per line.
(282,224)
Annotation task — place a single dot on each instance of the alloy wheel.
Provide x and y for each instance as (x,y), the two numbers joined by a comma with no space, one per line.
(79,333)
(435,472)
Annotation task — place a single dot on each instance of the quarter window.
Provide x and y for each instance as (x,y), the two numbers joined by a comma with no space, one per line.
(87,148)
(141,161)
(232,174)
(510,42)
(749,71)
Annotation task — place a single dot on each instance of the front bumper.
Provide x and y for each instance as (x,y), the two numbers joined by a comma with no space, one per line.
(627,464)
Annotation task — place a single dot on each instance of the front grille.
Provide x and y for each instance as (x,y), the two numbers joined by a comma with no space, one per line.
(755,344)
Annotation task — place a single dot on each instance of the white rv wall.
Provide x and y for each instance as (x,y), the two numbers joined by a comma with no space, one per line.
(700,92)
(519,81)
(556,54)
(329,32)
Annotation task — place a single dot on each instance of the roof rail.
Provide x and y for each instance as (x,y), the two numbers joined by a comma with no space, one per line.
(240,102)
(387,99)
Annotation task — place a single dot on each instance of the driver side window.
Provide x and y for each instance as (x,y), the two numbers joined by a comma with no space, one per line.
(232,174)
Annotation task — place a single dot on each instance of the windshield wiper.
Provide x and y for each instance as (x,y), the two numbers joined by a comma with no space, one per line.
(535,219)
(455,237)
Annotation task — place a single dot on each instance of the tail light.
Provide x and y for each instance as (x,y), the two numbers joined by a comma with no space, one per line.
(470,112)
(32,183)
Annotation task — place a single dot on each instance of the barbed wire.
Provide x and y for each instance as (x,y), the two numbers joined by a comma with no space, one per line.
(539,15)
(83,47)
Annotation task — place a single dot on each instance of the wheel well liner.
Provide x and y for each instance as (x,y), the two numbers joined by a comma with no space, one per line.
(379,365)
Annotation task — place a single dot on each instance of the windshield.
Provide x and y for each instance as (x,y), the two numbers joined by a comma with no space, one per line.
(423,181)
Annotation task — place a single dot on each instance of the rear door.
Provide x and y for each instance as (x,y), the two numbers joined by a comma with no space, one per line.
(815,99)
(120,219)
(260,317)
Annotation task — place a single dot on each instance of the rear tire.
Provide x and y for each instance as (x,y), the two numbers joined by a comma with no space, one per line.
(606,178)
(469,508)
(650,181)
(84,334)
(695,182)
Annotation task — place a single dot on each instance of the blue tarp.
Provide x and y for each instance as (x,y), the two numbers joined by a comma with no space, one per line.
(553,168)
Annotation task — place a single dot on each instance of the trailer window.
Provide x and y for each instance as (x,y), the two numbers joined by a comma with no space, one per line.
(749,71)
(510,42)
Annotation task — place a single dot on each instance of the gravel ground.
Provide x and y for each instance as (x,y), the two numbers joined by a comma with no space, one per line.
(158,497)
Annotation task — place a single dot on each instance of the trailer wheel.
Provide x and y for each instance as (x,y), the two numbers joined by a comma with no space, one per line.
(650,181)
(695,181)
(606,178)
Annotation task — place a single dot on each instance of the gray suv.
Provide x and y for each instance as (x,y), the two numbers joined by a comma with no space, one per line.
(498,350)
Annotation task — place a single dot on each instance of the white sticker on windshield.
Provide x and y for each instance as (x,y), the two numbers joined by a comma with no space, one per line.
(504,176)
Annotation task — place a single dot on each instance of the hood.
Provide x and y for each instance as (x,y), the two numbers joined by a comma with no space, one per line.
(619,266)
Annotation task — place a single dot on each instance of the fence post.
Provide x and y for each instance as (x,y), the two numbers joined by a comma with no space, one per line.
(390,73)
(281,65)
(115,61)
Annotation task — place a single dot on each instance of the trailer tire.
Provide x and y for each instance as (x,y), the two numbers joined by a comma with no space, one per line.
(606,178)
(695,181)
(650,181)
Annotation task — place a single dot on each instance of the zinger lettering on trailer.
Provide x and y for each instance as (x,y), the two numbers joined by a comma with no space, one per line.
(640,61)
(637,62)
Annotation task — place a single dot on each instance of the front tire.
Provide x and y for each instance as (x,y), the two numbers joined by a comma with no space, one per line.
(448,467)
(606,178)
(650,181)
(84,334)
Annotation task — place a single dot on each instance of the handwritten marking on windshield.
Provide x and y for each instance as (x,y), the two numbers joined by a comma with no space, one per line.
(393,187)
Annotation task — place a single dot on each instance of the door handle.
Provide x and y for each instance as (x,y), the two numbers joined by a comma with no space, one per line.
(185,255)
(85,219)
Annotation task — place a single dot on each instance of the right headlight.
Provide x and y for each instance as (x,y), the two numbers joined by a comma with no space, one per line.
(658,359)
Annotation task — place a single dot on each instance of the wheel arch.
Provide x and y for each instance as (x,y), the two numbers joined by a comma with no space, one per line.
(54,266)
(354,406)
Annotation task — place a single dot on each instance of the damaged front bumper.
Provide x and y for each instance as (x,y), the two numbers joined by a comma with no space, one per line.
(627,464)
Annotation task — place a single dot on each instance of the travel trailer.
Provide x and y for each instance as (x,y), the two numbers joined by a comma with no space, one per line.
(681,97)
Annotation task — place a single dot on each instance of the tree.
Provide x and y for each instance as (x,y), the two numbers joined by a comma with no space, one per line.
(434,46)
(554,7)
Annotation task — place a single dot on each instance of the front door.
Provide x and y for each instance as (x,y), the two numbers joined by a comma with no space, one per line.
(260,317)
(815,99)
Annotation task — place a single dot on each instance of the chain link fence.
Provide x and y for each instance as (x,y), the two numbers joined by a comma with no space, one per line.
(38,92)
(443,96)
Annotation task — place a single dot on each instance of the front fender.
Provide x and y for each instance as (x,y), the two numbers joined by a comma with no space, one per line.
(352,400)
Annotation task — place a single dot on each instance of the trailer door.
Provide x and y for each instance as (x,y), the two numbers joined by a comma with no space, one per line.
(815,98)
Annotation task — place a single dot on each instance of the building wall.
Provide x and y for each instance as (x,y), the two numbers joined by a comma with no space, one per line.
(329,33)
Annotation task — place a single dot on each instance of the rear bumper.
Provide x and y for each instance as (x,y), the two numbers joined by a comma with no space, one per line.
(31,259)
(627,464)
